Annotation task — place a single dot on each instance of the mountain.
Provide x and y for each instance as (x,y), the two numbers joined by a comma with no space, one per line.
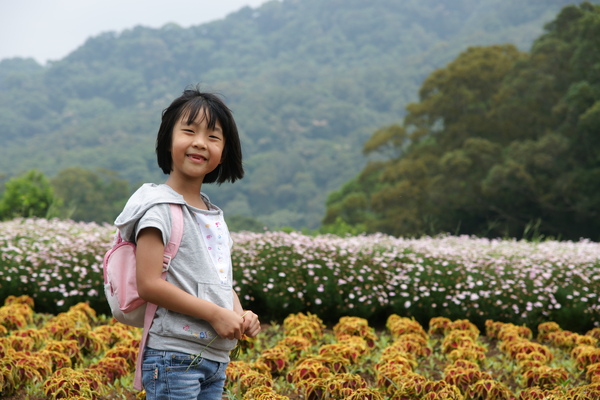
(309,81)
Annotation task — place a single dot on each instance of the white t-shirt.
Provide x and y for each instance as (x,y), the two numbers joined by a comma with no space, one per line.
(217,240)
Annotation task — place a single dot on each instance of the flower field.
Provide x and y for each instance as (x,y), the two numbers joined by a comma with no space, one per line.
(455,277)
(73,355)
(57,263)
(369,317)
(78,355)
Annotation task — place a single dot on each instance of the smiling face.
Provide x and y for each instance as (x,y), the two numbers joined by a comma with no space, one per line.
(186,108)
(196,149)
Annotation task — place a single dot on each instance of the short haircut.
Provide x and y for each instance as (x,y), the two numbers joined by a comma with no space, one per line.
(190,104)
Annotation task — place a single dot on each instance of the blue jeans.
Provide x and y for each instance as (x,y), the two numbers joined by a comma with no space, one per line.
(169,375)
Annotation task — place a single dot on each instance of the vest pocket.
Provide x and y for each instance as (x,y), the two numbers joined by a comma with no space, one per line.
(220,295)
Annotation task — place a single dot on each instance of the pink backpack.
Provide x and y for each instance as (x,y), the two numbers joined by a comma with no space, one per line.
(120,283)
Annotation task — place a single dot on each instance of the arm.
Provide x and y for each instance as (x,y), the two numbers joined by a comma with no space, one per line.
(154,289)
(237,306)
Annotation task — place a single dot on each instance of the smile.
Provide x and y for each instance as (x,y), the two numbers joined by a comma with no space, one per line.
(196,157)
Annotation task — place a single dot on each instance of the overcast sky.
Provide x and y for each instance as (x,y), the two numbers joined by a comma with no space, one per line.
(51,29)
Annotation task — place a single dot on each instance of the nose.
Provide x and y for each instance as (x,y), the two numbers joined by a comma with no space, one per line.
(199,140)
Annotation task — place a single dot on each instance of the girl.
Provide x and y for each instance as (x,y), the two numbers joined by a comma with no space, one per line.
(199,316)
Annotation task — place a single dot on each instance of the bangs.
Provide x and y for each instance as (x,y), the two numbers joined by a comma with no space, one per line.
(203,108)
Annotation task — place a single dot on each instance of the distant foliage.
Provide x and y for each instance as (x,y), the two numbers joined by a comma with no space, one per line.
(29,195)
(75,193)
(501,144)
(308,81)
(91,196)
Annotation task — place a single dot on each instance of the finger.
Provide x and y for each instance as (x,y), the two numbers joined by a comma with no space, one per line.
(244,315)
(249,322)
(247,318)
(254,330)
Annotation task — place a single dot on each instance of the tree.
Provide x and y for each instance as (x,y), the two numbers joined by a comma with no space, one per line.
(28,195)
(433,156)
(91,196)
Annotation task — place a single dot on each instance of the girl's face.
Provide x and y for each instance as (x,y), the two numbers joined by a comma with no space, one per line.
(196,150)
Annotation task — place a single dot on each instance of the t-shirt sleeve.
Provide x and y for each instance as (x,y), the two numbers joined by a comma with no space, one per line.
(159,217)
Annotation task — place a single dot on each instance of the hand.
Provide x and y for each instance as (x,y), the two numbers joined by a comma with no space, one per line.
(228,324)
(251,323)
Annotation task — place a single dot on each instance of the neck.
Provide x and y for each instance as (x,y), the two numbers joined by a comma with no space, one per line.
(189,190)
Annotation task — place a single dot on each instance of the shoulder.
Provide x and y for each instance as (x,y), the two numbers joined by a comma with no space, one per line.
(147,196)
(148,207)
(150,193)
(157,216)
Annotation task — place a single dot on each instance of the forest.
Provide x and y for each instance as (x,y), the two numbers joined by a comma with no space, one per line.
(501,143)
(383,103)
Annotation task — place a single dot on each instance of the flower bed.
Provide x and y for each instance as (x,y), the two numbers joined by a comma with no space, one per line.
(79,355)
(455,277)
(58,264)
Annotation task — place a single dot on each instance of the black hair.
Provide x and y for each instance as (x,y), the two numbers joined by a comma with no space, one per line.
(190,104)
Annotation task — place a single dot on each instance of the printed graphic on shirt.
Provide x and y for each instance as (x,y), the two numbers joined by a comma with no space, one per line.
(216,238)
(201,335)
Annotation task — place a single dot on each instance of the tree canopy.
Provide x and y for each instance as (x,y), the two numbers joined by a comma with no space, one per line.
(500,143)
(30,195)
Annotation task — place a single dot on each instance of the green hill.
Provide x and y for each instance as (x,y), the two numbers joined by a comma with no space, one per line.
(309,81)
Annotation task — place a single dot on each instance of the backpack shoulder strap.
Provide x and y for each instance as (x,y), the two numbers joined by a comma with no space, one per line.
(176,235)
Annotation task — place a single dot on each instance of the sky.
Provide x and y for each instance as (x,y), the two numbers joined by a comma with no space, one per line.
(51,29)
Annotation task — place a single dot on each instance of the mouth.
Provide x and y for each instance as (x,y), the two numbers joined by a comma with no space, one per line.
(196,157)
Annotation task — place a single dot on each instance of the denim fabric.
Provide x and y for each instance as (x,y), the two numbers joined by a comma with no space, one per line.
(169,375)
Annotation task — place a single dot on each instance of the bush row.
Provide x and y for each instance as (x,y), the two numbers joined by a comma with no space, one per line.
(59,264)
